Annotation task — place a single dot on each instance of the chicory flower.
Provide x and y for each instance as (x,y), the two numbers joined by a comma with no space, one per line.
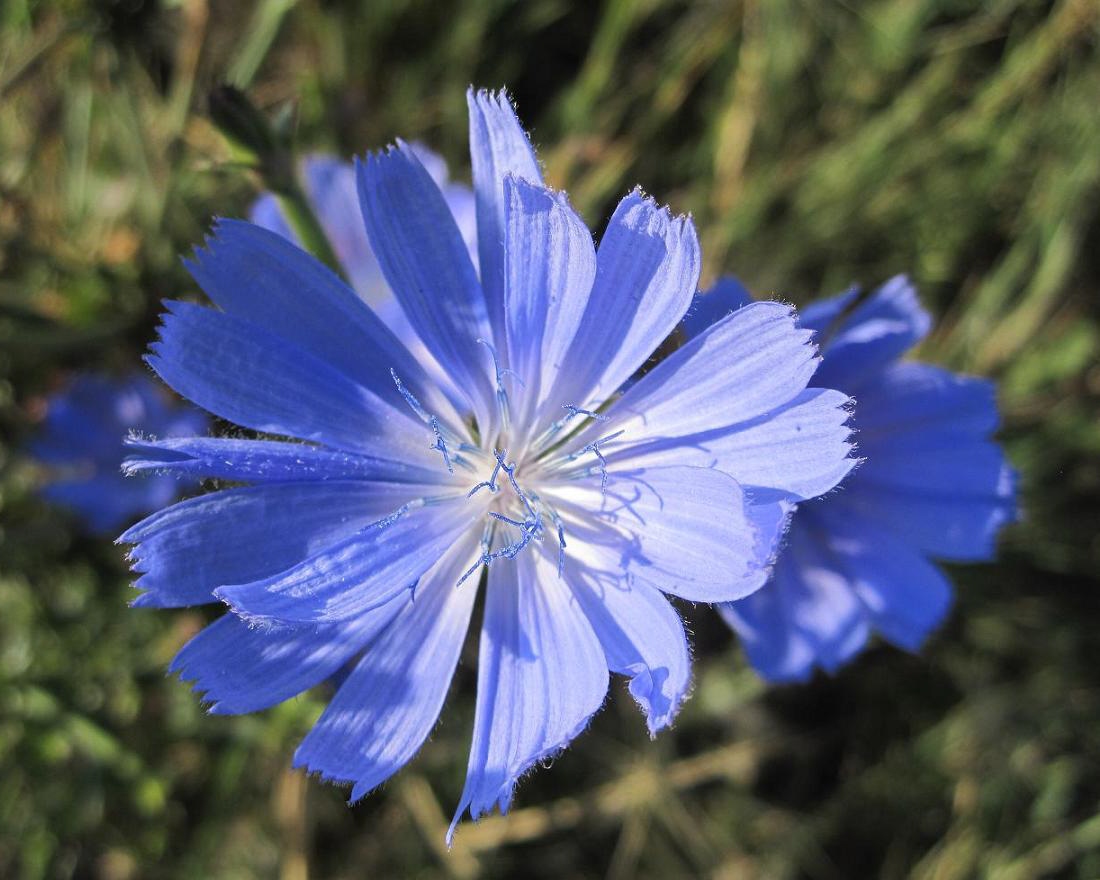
(932,485)
(81,443)
(361,539)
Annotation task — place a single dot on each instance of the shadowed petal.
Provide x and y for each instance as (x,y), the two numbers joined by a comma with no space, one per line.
(270,461)
(858,345)
(541,675)
(358,573)
(807,615)
(711,306)
(240,668)
(642,638)
(262,278)
(389,702)
(683,530)
(424,258)
(240,372)
(241,535)
(920,397)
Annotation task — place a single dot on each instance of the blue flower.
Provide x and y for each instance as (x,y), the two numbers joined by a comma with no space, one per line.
(362,539)
(932,485)
(81,439)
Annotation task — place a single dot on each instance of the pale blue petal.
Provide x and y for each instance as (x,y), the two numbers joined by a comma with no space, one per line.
(748,364)
(260,277)
(269,461)
(358,573)
(647,268)
(541,676)
(498,148)
(734,398)
(550,263)
(421,252)
(642,638)
(685,531)
(389,702)
(240,535)
(801,448)
(239,668)
(242,373)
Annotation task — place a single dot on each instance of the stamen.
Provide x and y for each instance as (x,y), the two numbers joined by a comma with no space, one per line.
(501,372)
(594,448)
(529,528)
(491,483)
(425,417)
(578,411)
(561,542)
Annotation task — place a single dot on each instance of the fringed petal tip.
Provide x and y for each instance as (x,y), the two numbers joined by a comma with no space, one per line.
(501,798)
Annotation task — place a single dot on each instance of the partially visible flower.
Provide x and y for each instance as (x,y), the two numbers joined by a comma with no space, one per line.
(362,540)
(81,442)
(932,485)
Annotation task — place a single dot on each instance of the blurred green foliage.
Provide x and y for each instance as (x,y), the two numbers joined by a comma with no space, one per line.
(816,144)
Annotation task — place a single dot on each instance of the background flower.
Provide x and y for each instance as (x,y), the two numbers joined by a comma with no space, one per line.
(81,443)
(932,484)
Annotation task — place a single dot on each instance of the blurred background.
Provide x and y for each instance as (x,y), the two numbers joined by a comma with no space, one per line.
(816,144)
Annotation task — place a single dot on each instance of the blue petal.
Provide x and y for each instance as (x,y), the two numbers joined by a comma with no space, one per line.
(387,706)
(240,535)
(685,531)
(745,366)
(647,267)
(905,596)
(238,668)
(947,526)
(550,264)
(541,675)
(878,331)
(267,281)
(920,397)
(421,252)
(358,573)
(800,449)
(268,461)
(807,615)
(734,398)
(938,464)
(498,148)
(244,374)
(727,295)
(642,638)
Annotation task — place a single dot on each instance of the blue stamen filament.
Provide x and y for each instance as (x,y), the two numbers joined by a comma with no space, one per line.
(491,483)
(594,448)
(500,372)
(530,528)
(426,417)
(571,411)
